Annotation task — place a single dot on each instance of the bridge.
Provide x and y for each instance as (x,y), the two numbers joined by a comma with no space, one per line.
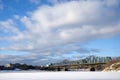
(96,66)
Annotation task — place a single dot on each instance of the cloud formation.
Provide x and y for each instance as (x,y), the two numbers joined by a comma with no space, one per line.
(51,30)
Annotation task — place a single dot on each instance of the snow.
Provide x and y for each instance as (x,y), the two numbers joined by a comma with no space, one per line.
(115,67)
(59,75)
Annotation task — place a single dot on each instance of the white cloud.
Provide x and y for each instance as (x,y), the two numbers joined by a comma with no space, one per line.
(8,26)
(69,22)
(50,29)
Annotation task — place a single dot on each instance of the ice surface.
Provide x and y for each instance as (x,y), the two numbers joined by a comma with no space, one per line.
(59,75)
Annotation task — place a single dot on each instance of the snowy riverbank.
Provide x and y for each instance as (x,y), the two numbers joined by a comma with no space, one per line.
(114,67)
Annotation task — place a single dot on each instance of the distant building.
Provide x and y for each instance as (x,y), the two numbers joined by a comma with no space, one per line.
(8,65)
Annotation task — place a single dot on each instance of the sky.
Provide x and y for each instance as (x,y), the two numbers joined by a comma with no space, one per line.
(39,32)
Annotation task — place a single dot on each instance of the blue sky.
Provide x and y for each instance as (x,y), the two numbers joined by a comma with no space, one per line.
(43,31)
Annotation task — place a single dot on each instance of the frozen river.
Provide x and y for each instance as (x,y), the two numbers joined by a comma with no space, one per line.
(59,75)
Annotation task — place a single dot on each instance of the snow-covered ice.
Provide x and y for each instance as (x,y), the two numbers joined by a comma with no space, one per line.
(59,76)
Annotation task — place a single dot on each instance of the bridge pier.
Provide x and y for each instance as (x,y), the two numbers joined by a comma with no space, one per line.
(92,69)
